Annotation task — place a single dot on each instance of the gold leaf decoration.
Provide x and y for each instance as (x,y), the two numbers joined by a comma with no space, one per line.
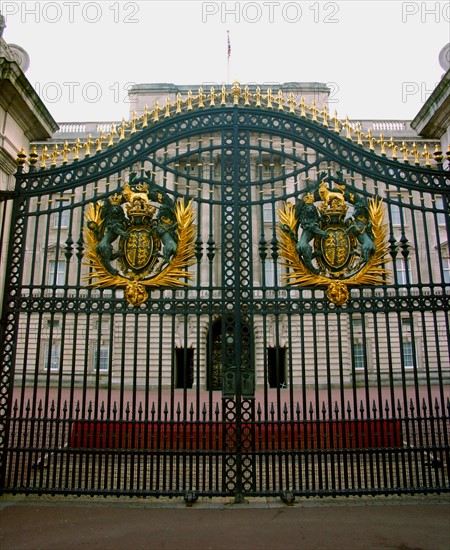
(373,272)
(173,275)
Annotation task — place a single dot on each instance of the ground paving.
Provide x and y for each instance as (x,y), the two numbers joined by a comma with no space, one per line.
(400,523)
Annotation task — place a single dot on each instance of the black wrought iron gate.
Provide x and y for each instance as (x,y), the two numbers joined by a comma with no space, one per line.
(239,383)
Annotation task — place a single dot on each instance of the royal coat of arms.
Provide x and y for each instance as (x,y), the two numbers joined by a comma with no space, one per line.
(138,239)
(335,248)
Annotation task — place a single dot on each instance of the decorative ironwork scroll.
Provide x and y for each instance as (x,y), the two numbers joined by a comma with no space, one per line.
(334,249)
(155,239)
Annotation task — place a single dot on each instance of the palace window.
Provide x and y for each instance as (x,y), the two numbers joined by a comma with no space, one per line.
(446,270)
(56,273)
(101,357)
(268,209)
(440,215)
(358,344)
(184,367)
(271,278)
(276,367)
(358,356)
(52,354)
(61,219)
(397,216)
(407,343)
(403,271)
(408,354)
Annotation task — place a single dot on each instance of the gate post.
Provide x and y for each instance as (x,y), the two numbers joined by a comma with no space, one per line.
(237,353)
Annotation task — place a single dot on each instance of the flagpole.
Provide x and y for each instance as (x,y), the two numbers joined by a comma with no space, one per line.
(228,56)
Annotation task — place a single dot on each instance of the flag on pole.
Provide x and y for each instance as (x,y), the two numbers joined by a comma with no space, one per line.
(229,44)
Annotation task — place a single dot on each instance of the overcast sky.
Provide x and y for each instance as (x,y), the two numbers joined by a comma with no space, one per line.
(380,58)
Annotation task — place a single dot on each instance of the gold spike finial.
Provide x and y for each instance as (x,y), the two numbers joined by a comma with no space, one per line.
(189,100)
(382,145)
(87,146)
(280,100)
(415,153)
(44,156)
(156,110)
(269,98)
(314,110)
(145,116)
(371,140)
(99,141)
(247,96)
(405,152)
(64,152)
(359,133)
(178,103)
(201,98)
(337,123)
(236,91)
(258,97)
(54,155)
(325,115)
(223,95)
(167,107)
(111,135)
(212,97)
(393,147)
(76,149)
(133,122)
(348,129)
(427,155)
(302,106)
(121,129)
(291,103)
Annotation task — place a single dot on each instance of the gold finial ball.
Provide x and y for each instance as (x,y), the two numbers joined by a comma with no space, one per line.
(438,154)
(33,156)
(21,157)
(236,88)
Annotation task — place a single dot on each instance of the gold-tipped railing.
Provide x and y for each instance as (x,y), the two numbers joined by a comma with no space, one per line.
(235,96)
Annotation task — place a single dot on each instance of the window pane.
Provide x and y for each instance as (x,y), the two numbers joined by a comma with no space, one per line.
(408,355)
(358,355)
(51,357)
(60,274)
(446,268)
(440,206)
(101,361)
(400,267)
(396,214)
(269,272)
(267,209)
(61,219)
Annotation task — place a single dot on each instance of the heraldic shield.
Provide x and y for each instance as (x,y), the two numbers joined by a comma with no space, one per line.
(154,235)
(334,249)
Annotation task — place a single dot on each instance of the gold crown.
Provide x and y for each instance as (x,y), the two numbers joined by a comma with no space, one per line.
(140,207)
(115,199)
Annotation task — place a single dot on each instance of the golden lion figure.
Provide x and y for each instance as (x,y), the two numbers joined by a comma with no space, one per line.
(332,198)
(131,196)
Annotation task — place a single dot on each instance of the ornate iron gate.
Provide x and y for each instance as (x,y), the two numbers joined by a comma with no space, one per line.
(251,370)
